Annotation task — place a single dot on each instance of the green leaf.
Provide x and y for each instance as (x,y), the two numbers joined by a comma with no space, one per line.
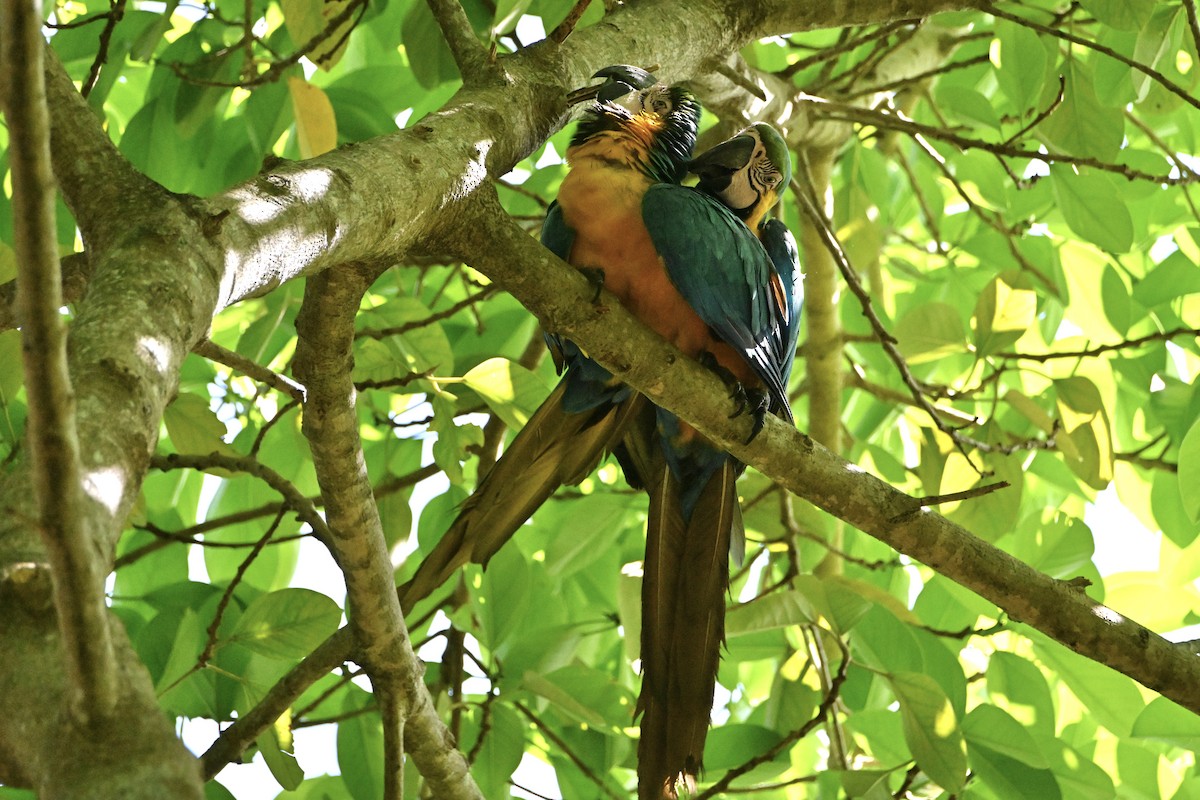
(183,688)
(841,606)
(1166,502)
(1082,125)
(1153,42)
(1125,15)
(885,643)
(1152,598)
(276,747)
(1092,208)
(1029,409)
(504,601)
(360,748)
(968,105)
(1163,720)
(272,568)
(732,745)
(561,688)
(193,427)
(417,346)
(288,623)
(1170,280)
(509,389)
(931,729)
(1111,697)
(1018,687)
(1189,473)
(930,331)
(426,48)
(306,19)
(453,439)
(1010,778)
(501,751)
(993,728)
(1021,70)
(769,612)
(12,377)
(1002,316)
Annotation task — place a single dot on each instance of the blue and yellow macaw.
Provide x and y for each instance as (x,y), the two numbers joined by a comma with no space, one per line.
(638,134)
(747,173)
(688,267)
(739,272)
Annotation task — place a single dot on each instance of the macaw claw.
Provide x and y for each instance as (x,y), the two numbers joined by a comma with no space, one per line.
(756,401)
(595,277)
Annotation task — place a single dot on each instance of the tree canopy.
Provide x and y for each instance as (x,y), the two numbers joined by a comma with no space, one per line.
(270,285)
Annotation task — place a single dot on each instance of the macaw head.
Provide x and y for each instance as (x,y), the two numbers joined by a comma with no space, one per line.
(663,118)
(748,172)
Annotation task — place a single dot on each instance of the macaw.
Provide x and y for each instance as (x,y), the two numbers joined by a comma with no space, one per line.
(739,272)
(636,135)
(747,173)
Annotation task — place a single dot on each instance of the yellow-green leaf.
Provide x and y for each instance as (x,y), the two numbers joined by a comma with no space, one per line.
(510,390)
(308,19)
(316,125)
(931,729)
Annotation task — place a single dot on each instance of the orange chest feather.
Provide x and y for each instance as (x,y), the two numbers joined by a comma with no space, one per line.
(602,203)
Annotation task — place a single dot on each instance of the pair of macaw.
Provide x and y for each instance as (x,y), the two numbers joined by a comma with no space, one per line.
(709,272)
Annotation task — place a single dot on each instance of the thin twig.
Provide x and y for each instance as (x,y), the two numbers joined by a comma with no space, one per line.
(1190,6)
(564,28)
(304,508)
(831,109)
(1101,349)
(52,439)
(209,349)
(922,503)
(400,330)
(566,750)
(823,710)
(114,16)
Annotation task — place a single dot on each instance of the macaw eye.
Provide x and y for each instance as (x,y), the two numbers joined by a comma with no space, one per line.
(661,106)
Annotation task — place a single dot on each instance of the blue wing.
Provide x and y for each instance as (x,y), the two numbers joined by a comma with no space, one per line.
(725,274)
(781,248)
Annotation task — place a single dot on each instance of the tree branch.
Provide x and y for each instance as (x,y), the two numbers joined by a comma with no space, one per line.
(324,358)
(493,244)
(209,349)
(52,439)
(1089,352)
(469,54)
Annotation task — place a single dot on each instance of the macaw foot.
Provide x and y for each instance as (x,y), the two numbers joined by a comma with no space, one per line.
(755,401)
(595,277)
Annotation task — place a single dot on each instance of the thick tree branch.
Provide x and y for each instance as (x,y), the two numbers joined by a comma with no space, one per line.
(324,358)
(492,243)
(52,440)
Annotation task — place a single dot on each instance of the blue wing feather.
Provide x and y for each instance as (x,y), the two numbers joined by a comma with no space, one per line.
(724,273)
(785,256)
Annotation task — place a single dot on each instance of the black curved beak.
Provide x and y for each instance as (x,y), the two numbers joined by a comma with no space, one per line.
(620,80)
(716,166)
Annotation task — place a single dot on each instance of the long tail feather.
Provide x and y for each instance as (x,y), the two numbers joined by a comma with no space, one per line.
(698,629)
(683,626)
(556,447)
